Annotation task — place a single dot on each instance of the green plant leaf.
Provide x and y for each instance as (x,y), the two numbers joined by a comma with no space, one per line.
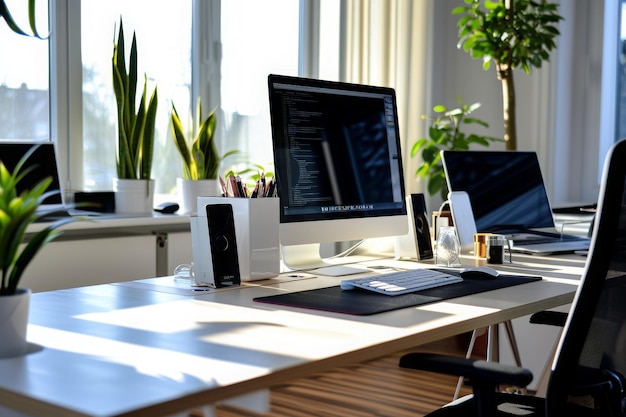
(17,212)
(446,133)
(8,18)
(147,147)
(181,142)
(201,159)
(136,127)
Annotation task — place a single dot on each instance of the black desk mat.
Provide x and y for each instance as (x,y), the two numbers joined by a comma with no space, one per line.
(362,302)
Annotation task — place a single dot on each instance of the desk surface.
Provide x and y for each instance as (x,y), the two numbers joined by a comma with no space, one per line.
(149,348)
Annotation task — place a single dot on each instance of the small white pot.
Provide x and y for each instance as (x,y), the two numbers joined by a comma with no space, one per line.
(189,191)
(133,196)
(13,323)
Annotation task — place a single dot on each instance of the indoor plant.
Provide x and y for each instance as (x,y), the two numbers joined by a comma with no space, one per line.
(17,213)
(200,157)
(135,142)
(445,133)
(6,15)
(512,33)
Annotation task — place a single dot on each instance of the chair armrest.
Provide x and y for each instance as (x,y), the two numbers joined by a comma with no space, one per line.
(478,371)
(551,318)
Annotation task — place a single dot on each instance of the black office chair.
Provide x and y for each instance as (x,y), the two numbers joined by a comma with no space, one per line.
(587,376)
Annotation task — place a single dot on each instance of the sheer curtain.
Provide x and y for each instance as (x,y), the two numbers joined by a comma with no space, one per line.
(384,42)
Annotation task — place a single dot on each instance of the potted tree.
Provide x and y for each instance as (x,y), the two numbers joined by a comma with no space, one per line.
(201,159)
(17,212)
(134,188)
(512,34)
(446,133)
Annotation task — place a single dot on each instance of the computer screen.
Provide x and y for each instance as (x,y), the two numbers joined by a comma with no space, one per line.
(337,161)
(505,188)
(44,160)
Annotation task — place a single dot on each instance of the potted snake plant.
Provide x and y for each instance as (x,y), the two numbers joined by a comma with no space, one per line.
(134,187)
(18,210)
(201,159)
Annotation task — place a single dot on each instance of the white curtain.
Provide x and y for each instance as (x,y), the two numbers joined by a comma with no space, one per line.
(385,42)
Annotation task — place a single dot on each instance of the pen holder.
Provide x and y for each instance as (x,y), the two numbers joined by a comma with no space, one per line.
(256,231)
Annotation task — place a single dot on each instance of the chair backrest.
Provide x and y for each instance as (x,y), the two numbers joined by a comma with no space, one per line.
(593,343)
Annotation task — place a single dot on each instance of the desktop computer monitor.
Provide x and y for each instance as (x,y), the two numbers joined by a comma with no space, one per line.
(338,164)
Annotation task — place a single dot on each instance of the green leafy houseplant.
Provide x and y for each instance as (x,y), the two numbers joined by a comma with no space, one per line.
(8,18)
(512,34)
(200,156)
(135,127)
(17,212)
(445,133)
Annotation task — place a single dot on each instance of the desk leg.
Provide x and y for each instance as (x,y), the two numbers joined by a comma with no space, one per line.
(513,342)
(470,348)
(493,347)
(493,344)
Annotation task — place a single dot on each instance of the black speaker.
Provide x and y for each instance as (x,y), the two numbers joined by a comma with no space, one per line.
(423,243)
(223,243)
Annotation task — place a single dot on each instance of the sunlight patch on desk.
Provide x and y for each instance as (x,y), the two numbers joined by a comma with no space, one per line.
(450,308)
(302,342)
(144,360)
(224,325)
(172,317)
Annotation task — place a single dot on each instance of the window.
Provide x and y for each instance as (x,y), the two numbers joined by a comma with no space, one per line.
(613,94)
(225,59)
(621,74)
(163,55)
(269,44)
(24,98)
(236,69)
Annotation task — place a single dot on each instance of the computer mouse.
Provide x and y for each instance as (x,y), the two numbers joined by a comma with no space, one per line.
(167,208)
(480,272)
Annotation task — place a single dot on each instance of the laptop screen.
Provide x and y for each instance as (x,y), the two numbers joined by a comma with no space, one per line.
(505,188)
(43,158)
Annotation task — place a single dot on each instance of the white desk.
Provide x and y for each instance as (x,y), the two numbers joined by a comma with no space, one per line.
(145,349)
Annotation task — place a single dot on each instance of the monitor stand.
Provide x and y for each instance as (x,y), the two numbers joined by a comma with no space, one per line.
(307,257)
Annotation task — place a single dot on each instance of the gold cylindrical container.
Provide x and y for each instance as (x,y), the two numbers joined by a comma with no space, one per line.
(480,244)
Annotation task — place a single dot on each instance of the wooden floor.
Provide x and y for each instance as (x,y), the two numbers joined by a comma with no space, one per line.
(372,389)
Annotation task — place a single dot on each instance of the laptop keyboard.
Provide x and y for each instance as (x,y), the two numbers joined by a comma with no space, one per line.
(402,282)
(535,240)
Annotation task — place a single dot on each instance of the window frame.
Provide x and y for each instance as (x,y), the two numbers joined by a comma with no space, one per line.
(66,123)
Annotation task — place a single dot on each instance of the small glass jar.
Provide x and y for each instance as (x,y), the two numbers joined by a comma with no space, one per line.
(448,246)
(495,249)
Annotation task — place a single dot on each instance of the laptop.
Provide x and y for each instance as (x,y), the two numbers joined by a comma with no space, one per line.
(45,160)
(508,196)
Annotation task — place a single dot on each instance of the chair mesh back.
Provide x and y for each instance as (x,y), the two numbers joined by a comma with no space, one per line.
(593,344)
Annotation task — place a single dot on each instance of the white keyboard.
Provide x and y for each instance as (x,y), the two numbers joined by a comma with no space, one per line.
(402,282)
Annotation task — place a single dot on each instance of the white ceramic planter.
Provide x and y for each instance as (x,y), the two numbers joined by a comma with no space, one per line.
(189,191)
(13,323)
(133,196)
